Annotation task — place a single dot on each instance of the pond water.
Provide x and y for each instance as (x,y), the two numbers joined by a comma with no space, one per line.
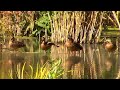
(94,63)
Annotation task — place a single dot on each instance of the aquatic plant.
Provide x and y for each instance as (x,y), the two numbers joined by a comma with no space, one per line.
(54,71)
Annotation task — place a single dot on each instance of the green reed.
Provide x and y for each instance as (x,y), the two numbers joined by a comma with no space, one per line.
(47,71)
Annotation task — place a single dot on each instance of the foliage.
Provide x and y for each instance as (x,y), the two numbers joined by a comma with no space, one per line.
(14,21)
(45,72)
(59,24)
(42,23)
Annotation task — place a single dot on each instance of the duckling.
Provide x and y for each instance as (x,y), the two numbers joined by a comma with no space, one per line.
(109,46)
(45,45)
(14,44)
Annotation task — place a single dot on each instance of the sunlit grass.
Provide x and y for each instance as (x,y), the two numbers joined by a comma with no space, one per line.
(47,71)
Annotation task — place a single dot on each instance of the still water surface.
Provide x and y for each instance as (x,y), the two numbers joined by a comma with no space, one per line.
(94,63)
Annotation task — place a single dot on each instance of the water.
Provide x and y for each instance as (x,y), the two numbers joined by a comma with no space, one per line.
(94,63)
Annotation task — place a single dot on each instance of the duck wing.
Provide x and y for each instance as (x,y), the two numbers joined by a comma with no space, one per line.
(77,45)
(50,43)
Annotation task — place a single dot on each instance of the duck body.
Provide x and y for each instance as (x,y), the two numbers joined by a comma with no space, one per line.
(76,47)
(45,45)
(110,47)
(13,44)
(72,45)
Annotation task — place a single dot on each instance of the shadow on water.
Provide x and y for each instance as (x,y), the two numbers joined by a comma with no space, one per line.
(94,63)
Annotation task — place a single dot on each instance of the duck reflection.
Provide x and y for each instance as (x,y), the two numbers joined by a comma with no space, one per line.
(110,69)
(108,64)
(70,62)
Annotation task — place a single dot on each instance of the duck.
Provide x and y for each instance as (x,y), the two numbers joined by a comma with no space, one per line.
(14,44)
(109,45)
(45,45)
(72,45)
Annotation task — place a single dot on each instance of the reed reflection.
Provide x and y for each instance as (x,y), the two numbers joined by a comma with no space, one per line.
(17,62)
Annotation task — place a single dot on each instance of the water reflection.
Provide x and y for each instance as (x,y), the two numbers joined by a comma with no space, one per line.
(111,67)
(44,59)
(70,64)
(17,61)
(94,63)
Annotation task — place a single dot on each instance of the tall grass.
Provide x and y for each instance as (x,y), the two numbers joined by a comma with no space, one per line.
(53,71)
(18,22)
(85,25)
